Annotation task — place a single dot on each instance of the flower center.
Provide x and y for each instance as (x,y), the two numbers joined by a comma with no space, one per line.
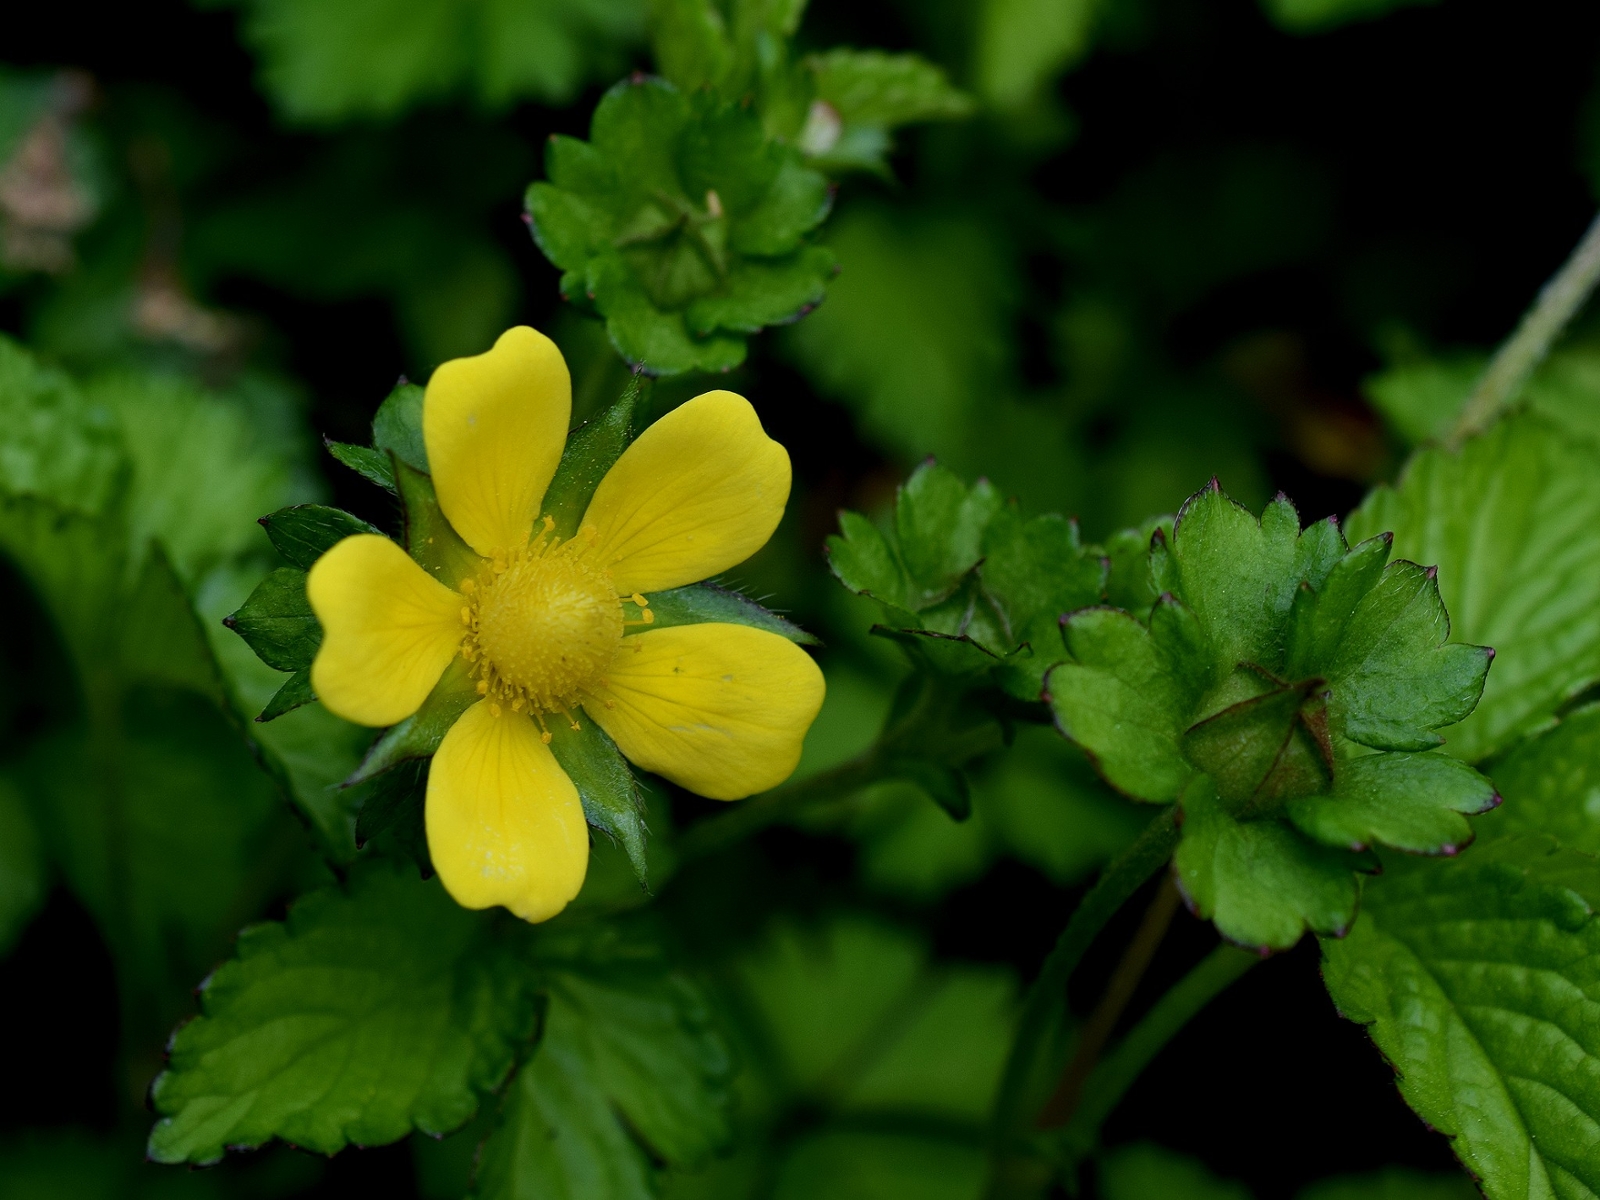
(543,626)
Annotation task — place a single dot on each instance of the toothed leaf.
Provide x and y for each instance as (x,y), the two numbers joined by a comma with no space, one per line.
(1477,979)
(1512,521)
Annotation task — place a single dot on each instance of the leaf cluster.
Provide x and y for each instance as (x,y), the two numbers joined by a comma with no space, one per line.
(685,220)
(1285,689)
(381,1006)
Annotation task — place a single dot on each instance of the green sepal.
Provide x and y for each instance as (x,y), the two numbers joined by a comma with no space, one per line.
(1318,617)
(606,786)
(372,465)
(1393,678)
(703,603)
(303,533)
(945,653)
(430,539)
(395,804)
(277,622)
(1259,881)
(683,222)
(1512,520)
(390,797)
(1120,699)
(295,692)
(1262,749)
(419,735)
(862,559)
(963,567)
(397,426)
(1411,802)
(591,450)
(1127,556)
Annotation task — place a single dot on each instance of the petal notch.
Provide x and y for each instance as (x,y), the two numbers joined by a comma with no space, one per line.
(388,630)
(495,425)
(505,825)
(719,709)
(700,491)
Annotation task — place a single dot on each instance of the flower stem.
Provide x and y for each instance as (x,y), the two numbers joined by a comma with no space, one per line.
(1111,1079)
(1036,1050)
(1097,1030)
(1558,302)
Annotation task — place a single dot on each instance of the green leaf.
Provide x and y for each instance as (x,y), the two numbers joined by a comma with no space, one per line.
(591,450)
(862,559)
(853,1016)
(58,445)
(684,223)
(322,66)
(699,603)
(369,1012)
(1120,699)
(161,638)
(24,869)
(430,539)
(397,426)
(168,841)
(1394,679)
(1127,552)
(1261,882)
(372,465)
(1550,783)
(895,1166)
(1236,573)
(1408,801)
(869,87)
(277,621)
(629,1068)
(303,533)
(1024,44)
(1142,1171)
(1035,572)
(295,693)
(1476,980)
(606,786)
(1316,16)
(939,528)
(1513,523)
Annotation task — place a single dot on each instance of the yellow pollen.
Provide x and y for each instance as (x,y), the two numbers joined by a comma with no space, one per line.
(543,624)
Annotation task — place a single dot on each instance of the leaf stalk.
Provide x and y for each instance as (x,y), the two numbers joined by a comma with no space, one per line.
(1520,355)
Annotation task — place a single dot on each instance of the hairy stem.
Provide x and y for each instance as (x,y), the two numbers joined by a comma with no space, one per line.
(1033,1061)
(1109,1081)
(1558,302)
(1097,1030)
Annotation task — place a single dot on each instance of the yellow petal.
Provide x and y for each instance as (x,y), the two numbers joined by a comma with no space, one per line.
(388,630)
(720,709)
(505,825)
(494,425)
(700,491)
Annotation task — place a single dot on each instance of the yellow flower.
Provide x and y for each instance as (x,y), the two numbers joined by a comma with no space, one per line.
(539,622)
